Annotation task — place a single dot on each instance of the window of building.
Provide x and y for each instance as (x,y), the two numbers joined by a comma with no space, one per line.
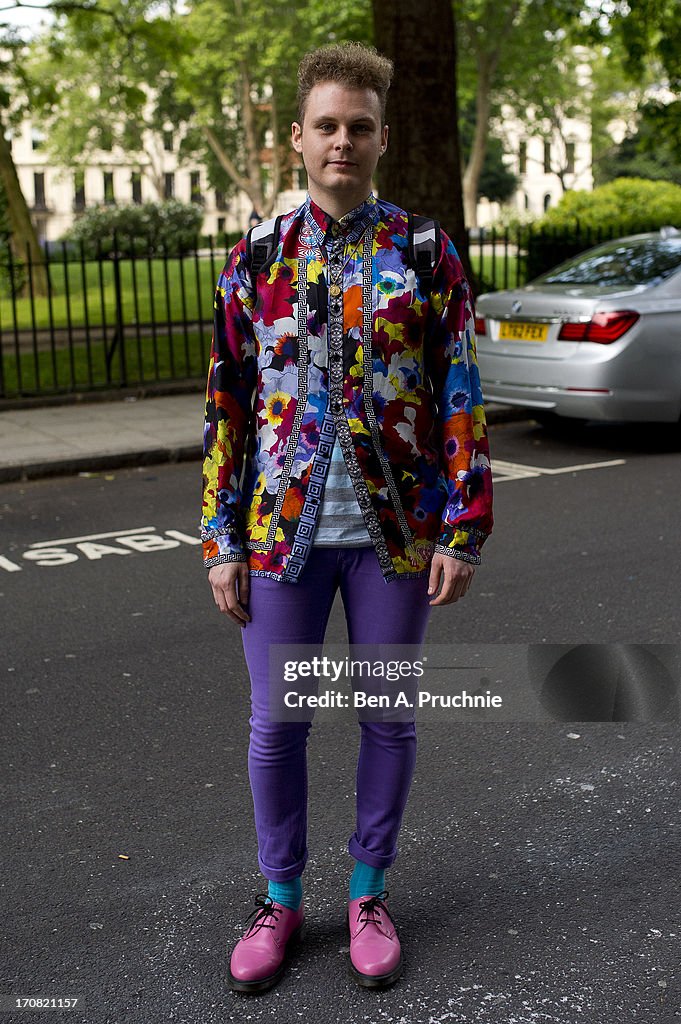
(168,141)
(547,201)
(79,190)
(37,138)
(39,191)
(221,225)
(527,200)
(109,197)
(136,182)
(219,199)
(195,187)
(168,185)
(570,157)
(547,158)
(522,157)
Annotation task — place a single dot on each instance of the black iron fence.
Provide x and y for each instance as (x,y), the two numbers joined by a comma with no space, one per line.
(111,320)
(127,318)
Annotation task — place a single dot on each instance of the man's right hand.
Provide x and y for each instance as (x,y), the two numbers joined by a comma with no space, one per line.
(231,587)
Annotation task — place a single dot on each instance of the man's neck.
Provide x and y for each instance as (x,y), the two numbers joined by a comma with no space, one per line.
(337,206)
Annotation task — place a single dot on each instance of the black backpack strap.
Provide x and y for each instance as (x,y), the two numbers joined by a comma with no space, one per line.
(424,245)
(262,242)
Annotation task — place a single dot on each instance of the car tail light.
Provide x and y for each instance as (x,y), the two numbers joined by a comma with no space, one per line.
(603,327)
(480,325)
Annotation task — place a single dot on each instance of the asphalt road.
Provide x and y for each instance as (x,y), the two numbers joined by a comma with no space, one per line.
(537,878)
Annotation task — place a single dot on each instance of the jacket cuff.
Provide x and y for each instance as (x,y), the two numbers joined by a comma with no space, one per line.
(464,544)
(220,546)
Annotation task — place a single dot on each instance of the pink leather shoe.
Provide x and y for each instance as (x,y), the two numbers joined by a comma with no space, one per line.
(376,959)
(258,959)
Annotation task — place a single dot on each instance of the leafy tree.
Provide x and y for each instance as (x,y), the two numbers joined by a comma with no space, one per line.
(122,71)
(515,52)
(497,182)
(645,152)
(649,33)
(20,232)
(650,29)
(88,74)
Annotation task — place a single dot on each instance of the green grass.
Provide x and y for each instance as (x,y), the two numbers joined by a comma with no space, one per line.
(173,358)
(499,272)
(151,290)
(156,291)
(76,298)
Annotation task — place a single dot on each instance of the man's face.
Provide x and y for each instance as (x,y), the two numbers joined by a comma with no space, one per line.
(341,140)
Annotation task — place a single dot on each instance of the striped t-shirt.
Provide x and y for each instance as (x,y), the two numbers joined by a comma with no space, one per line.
(340,522)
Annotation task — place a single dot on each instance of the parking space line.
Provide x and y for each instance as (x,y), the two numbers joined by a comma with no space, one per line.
(520,471)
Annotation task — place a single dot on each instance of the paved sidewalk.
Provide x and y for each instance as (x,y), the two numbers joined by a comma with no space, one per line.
(63,439)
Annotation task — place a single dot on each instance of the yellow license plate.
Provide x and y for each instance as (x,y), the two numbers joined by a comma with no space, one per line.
(514,330)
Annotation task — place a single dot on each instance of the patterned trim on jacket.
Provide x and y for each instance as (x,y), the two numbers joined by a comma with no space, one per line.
(390,371)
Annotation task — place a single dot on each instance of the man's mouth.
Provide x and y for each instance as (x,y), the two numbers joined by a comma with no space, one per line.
(341,163)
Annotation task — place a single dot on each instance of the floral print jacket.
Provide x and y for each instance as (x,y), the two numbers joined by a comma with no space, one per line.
(341,341)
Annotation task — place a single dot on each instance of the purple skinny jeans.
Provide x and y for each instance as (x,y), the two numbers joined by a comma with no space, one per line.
(292,613)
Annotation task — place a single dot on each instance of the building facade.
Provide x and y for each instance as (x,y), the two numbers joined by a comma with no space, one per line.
(56,196)
(547,162)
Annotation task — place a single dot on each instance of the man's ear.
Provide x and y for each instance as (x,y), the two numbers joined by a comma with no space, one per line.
(384,138)
(297,137)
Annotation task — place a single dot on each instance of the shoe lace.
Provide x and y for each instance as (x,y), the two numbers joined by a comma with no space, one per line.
(371,908)
(264,915)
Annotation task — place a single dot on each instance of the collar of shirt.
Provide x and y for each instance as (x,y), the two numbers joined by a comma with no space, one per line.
(349,229)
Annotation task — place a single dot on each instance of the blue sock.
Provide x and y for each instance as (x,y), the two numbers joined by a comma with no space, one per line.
(289,894)
(366,881)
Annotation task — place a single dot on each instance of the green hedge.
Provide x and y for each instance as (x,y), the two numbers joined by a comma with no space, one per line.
(625,206)
(155,229)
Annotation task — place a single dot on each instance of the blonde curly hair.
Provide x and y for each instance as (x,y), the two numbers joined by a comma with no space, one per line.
(350,64)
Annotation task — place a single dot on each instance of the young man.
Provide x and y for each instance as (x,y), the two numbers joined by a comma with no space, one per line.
(345,446)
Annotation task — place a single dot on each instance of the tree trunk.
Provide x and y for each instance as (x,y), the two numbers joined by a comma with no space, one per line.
(23,239)
(252,144)
(421,170)
(251,183)
(276,158)
(476,160)
(488,61)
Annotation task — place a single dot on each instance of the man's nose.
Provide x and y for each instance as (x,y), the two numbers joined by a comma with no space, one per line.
(343,140)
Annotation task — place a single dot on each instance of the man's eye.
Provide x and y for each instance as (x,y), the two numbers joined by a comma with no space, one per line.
(326,127)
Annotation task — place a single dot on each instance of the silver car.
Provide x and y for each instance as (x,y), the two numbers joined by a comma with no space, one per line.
(598,337)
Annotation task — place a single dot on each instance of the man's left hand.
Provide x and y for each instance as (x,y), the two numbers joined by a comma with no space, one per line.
(455,575)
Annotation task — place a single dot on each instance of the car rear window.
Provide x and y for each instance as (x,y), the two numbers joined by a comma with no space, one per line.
(634,261)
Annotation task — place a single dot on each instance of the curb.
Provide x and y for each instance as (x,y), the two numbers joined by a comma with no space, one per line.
(71,465)
(139,392)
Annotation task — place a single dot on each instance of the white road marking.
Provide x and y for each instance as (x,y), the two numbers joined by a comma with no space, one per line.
(147,539)
(520,471)
(143,540)
(9,566)
(92,536)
